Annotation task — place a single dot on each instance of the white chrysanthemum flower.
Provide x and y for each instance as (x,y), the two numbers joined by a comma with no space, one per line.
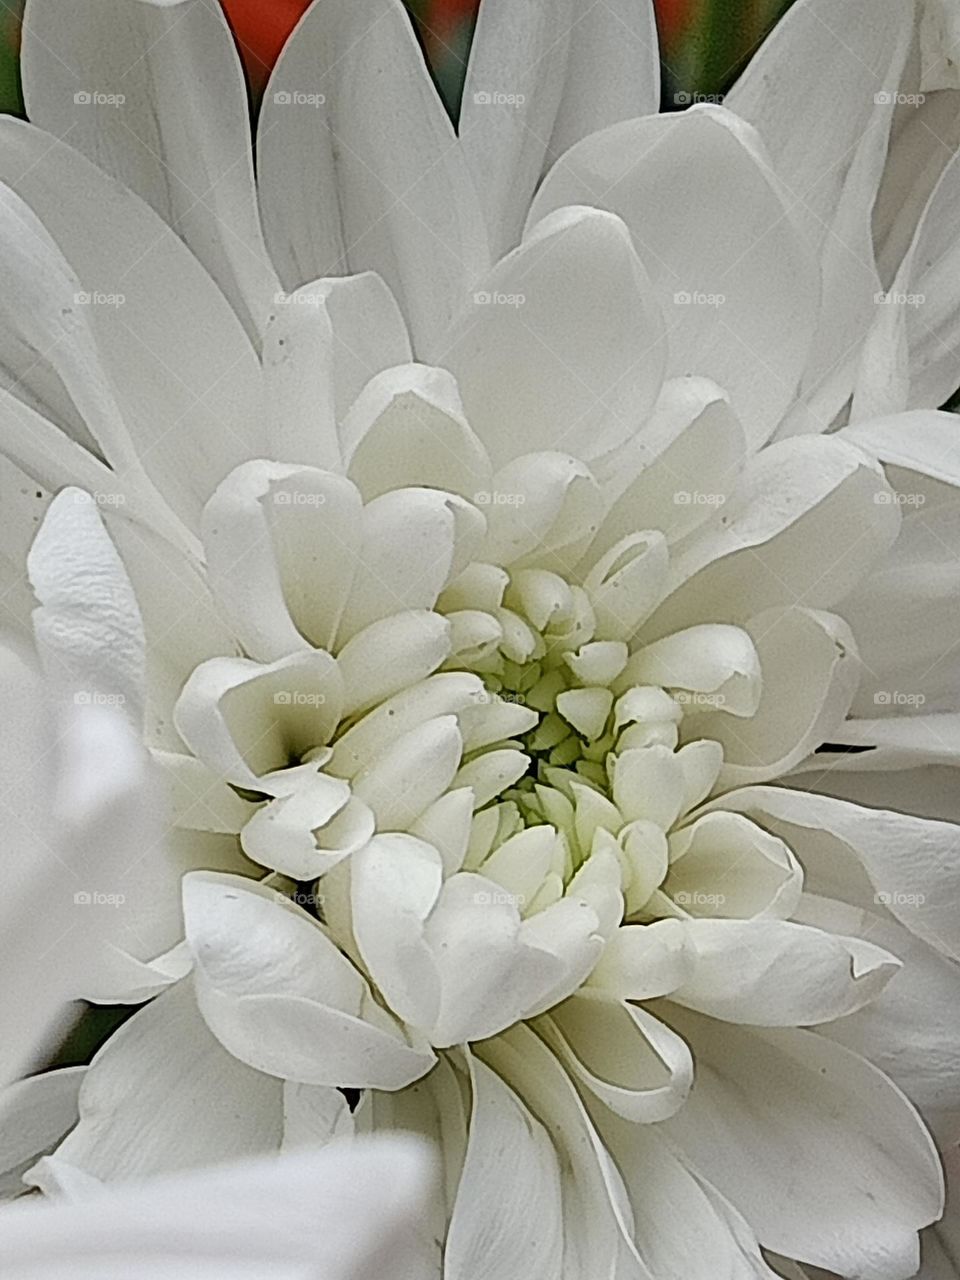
(503,569)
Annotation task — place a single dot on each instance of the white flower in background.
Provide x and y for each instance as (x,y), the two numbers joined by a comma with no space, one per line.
(508,570)
(359,1204)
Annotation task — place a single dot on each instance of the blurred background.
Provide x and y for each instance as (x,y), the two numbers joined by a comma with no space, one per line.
(704,43)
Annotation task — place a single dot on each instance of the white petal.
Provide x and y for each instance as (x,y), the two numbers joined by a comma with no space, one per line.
(598,1231)
(443,694)
(359,168)
(526,87)
(719,662)
(691,423)
(416,641)
(810,141)
(88,627)
(563,346)
(809,673)
(411,773)
(413,542)
(774,973)
(672,1205)
(282,544)
(112,79)
(828,149)
(642,961)
(323,342)
(634,1064)
(648,784)
(541,509)
(910,862)
(627,583)
(737,285)
(164,1062)
(227,702)
(35,1113)
(281,997)
(929,309)
(184,375)
(493,1231)
(219,1222)
(804,522)
(407,427)
(621,37)
(723,865)
(907,1031)
(489,976)
(864,1175)
(394,883)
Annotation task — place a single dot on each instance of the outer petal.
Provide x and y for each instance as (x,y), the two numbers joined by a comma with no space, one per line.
(828,147)
(810,670)
(165,1063)
(526,94)
(804,524)
(494,1232)
(363,1200)
(682,1225)
(909,1031)
(280,996)
(563,347)
(360,169)
(924,312)
(154,93)
(774,973)
(35,1113)
(910,862)
(737,285)
(185,377)
(864,1174)
(598,1229)
(88,627)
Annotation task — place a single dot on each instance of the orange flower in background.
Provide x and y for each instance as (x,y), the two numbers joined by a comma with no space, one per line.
(261,30)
